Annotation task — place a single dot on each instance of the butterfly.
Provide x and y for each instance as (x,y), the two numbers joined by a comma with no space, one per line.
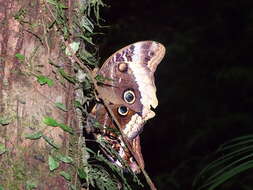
(131,95)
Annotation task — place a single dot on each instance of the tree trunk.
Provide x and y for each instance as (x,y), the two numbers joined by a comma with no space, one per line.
(30,56)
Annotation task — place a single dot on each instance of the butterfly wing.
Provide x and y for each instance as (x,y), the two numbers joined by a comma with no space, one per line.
(132,69)
(109,131)
(131,92)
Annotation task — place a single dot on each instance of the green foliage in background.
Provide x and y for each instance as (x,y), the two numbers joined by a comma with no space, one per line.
(235,157)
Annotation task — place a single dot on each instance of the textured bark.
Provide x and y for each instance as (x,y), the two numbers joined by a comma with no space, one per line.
(24,102)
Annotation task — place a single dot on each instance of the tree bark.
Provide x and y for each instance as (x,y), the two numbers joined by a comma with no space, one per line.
(27,46)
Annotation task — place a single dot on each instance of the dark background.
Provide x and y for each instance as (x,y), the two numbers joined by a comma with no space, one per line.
(204,83)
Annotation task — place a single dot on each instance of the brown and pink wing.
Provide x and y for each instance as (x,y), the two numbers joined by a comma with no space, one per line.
(132,69)
(131,92)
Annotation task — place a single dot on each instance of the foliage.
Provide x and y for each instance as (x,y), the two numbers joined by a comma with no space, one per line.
(98,172)
(4,120)
(52,122)
(52,163)
(66,175)
(61,106)
(108,176)
(236,157)
(45,80)
(2,149)
(34,136)
(20,57)
(31,185)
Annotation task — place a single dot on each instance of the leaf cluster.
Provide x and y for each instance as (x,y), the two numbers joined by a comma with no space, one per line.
(236,158)
(98,172)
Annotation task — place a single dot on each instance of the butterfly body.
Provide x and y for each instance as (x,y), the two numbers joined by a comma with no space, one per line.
(131,93)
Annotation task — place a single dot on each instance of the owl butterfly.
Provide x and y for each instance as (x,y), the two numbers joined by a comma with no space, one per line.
(131,93)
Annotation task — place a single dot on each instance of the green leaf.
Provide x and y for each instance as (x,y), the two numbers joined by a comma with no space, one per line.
(52,2)
(87,39)
(87,24)
(66,175)
(88,57)
(1,187)
(73,187)
(51,142)
(50,121)
(61,106)
(100,78)
(31,185)
(81,173)
(236,158)
(57,4)
(20,57)
(67,76)
(52,163)
(2,149)
(65,159)
(66,128)
(74,46)
(34,136)
(97,125)
(230,173)
(45,80)
(20,15)
(77,104)
(236,142)
(62,6)
(4,120)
